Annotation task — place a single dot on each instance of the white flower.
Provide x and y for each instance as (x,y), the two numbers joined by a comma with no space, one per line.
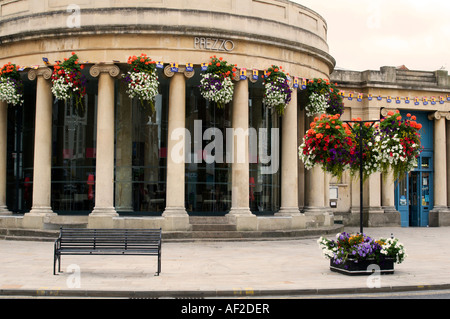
(212,89)
(8,92)
(143,85)
(274,95)
(317,104)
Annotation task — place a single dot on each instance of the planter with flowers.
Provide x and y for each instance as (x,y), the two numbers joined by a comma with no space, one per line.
(323,97)
(328,143)
(360,254)
(277,92)
(68,81)
(11,86)
(216,84)
(398,142)
(142,79)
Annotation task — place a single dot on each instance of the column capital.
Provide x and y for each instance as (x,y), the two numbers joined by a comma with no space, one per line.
(181,69)
(438,115)
(248,74)
(45,72)
(110,68)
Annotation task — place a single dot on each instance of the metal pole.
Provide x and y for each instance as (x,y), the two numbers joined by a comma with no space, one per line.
(360,179)
(361,171)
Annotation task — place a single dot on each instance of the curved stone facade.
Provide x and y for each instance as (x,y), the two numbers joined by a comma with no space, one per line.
(253,34)
(291,34)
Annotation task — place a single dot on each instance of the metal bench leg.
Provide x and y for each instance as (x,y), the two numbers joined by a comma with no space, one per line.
(159,265)
(55,257)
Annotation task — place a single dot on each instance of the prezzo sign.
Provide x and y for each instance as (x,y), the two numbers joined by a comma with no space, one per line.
(213,44)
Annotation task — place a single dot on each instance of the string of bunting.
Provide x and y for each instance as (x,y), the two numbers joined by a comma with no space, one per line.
(298,82)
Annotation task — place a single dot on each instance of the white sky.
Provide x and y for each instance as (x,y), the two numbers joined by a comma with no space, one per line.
(368,34)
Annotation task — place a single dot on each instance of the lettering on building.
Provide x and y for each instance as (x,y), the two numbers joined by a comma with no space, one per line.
(213,44)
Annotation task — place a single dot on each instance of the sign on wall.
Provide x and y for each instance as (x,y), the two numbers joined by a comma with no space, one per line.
(213,44)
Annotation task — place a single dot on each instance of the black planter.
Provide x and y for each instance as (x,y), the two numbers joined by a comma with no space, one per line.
(364,267)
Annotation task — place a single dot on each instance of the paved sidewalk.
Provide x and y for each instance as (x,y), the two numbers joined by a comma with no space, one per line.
(216,269)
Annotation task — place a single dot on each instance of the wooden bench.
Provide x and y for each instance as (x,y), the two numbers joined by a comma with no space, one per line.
(137,242)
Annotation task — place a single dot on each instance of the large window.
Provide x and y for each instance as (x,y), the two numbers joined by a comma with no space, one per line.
(264,154)
(141,152)
(208,174)
(20,150)
(74,152)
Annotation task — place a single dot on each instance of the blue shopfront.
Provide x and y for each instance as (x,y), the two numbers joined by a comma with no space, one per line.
(414,193)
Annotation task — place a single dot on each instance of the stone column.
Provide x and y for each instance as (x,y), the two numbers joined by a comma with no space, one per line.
(240,213)
(3,150)
(42,171)
(175,215)
(316,208)
(388,200)
(448,162)
(101,216)
(289,161)
(440,215)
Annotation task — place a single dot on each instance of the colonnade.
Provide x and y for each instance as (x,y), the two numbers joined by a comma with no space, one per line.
(175,215)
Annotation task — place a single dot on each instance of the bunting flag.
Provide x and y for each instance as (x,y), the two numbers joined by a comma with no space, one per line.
(243,74)
(189,67)
(297,82)
(174,67)
(304,84)
(255,74)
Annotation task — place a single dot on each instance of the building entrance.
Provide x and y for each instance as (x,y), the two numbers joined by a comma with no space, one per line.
(414,193)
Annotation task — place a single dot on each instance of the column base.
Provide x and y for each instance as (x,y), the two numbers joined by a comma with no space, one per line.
(36,217)
(176,219)
(4,211)
(439,216)
(104,211)
(40,211)
(311,210)
(288,211)
(243,218)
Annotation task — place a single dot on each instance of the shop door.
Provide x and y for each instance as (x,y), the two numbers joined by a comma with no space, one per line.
(414,195)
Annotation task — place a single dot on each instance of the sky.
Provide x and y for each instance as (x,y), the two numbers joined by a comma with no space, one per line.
(368,34)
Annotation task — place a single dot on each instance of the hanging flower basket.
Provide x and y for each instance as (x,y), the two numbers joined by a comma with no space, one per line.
(323,97)
(11,86)
(359,254)
(398,143)
(67,80)
(142,79)
(370,153)
(216,84)
(277,92)
(328,143)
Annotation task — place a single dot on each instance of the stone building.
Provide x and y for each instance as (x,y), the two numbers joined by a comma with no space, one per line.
(110,165)
(422,198)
